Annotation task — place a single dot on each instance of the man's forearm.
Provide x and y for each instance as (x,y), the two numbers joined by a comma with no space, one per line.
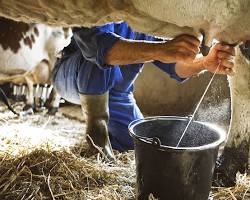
(185,70)
(130,52)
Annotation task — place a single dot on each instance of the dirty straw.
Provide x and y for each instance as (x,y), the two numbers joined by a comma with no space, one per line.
(46,174)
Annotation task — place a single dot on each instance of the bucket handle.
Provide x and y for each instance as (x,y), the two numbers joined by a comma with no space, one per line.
(154,140)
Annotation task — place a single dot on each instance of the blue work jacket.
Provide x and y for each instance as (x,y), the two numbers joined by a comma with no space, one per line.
(82,70)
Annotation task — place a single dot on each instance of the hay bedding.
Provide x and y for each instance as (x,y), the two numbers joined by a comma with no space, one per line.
(46,174)
(51,167)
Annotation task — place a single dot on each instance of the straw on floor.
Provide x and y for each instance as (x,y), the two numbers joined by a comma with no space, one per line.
(46,174)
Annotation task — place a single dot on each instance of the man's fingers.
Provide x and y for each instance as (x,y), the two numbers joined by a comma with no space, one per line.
(189,38)
(225,55)
(183,55)
(189,46)
(185,48)
(227,63)
(226,48)
(186,55)
(225,70)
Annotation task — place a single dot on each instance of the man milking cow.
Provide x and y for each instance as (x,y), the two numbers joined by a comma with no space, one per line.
(99,67)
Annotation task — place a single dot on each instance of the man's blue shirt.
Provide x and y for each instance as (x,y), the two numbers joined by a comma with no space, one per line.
(83,70)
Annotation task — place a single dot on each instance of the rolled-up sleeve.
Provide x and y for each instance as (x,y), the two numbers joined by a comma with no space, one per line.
(169,68)
(94,44)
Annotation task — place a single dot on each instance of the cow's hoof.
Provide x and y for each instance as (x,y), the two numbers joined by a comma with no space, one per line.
(52,110)
(41,103)
(222,176)
(18,98)
(232,161)
(28,109)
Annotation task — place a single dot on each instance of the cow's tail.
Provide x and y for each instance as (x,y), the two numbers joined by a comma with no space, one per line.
(5,100)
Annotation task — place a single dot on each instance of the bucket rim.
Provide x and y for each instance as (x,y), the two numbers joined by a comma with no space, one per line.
(217,143)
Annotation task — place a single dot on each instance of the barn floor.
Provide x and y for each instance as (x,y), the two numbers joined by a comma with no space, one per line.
(44,157)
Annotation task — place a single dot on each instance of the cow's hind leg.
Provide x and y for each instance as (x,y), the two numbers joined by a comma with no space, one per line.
(234,159)
(53,102)
(30,105)
(235,155)
(96,110)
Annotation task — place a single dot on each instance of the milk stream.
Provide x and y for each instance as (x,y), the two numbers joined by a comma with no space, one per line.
(198,105)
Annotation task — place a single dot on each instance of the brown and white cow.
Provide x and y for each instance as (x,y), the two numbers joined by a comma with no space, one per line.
(28,54)
(226,21)
(39,91)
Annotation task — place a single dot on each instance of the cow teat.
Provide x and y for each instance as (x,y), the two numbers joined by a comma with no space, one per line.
(245,49)
(204,49)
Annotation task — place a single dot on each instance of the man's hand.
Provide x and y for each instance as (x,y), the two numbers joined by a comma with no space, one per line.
(222,55)
(183,48)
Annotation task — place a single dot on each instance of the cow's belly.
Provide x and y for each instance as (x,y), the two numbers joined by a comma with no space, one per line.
(22,61)
(223,20)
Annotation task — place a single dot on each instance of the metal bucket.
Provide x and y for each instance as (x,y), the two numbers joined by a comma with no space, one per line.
(170,172)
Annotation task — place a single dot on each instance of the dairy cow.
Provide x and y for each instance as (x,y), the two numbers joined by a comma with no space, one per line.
(28,54)
(39,91)
(226,21)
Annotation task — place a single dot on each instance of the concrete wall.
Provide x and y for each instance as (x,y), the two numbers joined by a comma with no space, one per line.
(157,94)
